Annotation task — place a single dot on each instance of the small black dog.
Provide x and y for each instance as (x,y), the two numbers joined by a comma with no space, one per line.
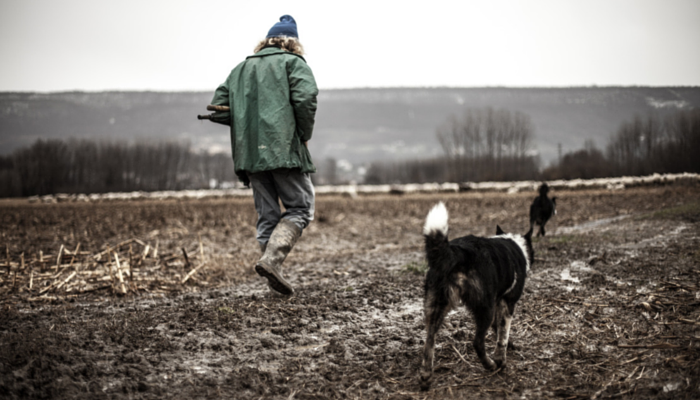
(487,275)
(542,209)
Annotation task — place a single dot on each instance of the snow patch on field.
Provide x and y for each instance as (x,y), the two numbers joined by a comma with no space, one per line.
(355,190)
(588,226)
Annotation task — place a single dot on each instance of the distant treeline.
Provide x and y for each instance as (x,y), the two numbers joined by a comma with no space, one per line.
(488,145)
(639,147)
(88,166)
(481,145)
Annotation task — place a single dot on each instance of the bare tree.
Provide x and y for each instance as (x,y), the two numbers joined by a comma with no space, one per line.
(488,144)
(643,146)
(87,166)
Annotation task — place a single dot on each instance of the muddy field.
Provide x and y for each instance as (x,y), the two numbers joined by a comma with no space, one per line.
(157,299)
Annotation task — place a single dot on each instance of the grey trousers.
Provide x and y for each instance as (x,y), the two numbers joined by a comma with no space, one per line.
(290,186)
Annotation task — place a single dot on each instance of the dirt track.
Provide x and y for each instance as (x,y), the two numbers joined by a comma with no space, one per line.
(610,309)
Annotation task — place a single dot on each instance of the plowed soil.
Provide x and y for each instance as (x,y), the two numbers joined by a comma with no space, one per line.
(611,308)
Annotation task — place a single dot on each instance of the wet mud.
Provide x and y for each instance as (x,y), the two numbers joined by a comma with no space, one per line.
(610,310)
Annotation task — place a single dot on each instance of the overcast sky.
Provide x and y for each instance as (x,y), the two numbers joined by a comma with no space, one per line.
(91,45)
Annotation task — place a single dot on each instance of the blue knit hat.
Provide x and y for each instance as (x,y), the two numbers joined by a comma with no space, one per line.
(286,27)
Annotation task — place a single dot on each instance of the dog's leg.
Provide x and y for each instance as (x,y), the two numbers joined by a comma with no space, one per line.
(511,345)
(483,319)
(435,310)
(504,317)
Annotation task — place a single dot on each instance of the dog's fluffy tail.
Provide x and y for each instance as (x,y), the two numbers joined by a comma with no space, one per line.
(435,232)
(436,223)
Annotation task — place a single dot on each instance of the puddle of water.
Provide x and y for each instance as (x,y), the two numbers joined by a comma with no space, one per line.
(389,316)
(607,349)
(643,290)
(670,387)
(581,266)
(199,370)
(312,346)
(330,329)
(196,365)
(656,240)
(271,367)
(413,308)
(678,230)
(564,230)
(566,276)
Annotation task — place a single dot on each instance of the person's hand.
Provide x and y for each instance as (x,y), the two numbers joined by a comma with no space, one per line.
(243,177)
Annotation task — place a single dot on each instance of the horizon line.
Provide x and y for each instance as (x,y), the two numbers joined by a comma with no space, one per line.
(592,86)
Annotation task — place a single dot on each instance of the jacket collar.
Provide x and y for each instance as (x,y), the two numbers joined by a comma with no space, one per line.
(269,51)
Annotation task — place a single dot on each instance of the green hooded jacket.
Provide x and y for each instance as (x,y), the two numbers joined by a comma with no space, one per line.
(272,98)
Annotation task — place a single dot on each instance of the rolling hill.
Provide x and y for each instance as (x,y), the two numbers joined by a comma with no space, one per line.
(357,125)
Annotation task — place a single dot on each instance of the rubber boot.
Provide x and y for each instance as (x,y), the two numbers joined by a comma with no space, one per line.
(280,244)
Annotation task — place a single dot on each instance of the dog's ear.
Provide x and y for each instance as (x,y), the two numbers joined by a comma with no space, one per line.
(528,235)
(499,231)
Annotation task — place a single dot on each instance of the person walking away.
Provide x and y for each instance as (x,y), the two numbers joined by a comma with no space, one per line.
(272,101)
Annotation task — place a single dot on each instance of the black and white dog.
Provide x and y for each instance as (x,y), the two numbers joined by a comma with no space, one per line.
(542,209)
(487,275)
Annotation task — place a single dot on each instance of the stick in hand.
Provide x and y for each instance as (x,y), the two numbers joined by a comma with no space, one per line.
(213,108)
